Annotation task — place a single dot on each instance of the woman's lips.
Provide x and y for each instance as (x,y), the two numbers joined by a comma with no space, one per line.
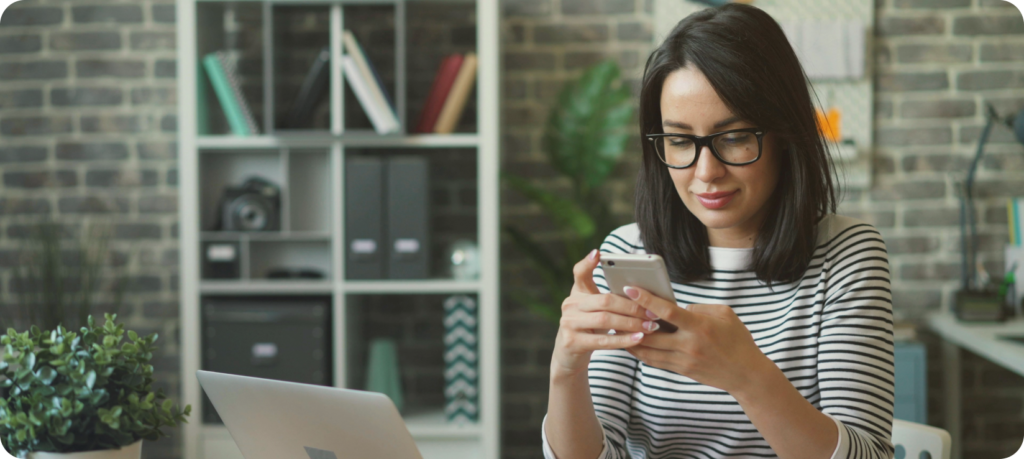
(715,200)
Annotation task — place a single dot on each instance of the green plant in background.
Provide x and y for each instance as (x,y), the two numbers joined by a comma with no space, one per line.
(72,392)
(59,279)
(584,139)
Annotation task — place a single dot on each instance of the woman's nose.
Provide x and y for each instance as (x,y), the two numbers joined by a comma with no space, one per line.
(708,167)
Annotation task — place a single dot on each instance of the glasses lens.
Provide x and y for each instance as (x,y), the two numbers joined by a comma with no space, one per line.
(737,147)
(675,151)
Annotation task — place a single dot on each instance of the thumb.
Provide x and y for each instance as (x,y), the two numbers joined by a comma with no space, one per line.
(583,274)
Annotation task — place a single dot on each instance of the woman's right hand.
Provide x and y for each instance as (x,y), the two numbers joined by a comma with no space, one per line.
(587,315)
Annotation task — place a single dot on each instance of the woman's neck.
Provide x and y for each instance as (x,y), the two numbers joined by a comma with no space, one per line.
(725,238)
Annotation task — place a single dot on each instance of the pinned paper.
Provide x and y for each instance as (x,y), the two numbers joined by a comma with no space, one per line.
(828,49)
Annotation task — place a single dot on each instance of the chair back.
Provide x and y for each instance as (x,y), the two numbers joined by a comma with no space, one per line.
(918,441)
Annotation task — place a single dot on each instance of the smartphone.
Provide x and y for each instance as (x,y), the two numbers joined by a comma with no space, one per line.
(646,271)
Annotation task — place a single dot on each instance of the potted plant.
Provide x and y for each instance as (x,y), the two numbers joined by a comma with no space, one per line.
(584,139)
(84,395)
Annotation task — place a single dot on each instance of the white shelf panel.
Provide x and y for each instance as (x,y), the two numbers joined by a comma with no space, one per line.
(264,236)
(411,286)
(325,140)
(283,286)
(433,426)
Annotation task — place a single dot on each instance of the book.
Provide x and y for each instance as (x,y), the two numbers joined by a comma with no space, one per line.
(311,91)
(1013,207)
(443,80)
(230,70)
(455,103)
(225,84)
(361,88)
(222,89)
(372,81)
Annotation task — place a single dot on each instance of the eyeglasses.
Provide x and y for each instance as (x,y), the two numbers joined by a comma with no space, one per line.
(737,147)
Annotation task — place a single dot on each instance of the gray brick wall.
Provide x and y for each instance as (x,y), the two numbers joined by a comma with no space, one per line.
(87,121)
(938,62)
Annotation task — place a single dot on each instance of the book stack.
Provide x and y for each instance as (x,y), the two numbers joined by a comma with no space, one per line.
(224,78)
(446,101)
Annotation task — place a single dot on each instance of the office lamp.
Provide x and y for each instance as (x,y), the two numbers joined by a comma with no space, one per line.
(972,303)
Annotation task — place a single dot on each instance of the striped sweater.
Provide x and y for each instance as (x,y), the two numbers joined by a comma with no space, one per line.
(830,333)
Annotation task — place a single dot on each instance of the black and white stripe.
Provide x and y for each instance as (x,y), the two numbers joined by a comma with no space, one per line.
(830,333)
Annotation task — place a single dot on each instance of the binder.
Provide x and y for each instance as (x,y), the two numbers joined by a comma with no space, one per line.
(408,217)
(364,204)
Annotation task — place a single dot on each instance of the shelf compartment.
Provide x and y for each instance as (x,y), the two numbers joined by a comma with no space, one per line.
(232,168)
(235,28)
(450,197)
(309,205)
(267,256)
(286,338)
(434,30)
(404,336)
(301,34)
(375,28)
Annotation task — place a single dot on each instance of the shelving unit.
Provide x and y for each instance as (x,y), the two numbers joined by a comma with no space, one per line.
(308,164)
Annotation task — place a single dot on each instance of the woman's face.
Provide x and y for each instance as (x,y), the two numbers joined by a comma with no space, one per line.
(690,105)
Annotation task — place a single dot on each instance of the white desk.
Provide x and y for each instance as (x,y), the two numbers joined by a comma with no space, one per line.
(984,339)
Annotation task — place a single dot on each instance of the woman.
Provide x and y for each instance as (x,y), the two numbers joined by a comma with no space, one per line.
(784,343)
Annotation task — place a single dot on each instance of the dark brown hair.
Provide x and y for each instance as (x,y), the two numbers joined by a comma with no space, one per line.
(746,57)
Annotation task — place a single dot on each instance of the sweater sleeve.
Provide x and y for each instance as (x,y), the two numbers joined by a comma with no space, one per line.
(855,346)
(611,373)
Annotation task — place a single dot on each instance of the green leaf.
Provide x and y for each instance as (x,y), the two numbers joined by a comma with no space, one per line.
(133,336)
(588,129)
(565,213)
(46,375)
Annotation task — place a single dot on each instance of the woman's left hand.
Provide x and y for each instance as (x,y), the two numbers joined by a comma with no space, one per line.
(712,345)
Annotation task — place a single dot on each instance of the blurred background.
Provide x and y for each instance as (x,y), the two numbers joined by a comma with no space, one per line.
(88,140)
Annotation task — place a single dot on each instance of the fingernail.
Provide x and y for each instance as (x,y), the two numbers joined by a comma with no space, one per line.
(652,315)
(593,253)
(631,292)
(636,336)
(651,326)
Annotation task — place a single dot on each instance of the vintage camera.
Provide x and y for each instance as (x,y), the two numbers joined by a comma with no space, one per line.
(253,206)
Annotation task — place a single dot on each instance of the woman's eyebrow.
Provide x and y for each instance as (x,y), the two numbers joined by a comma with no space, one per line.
(720,124)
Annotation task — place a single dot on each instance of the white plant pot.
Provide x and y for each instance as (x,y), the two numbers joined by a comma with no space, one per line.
(132,451)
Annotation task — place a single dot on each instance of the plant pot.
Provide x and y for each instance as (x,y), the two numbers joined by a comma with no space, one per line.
(132,451)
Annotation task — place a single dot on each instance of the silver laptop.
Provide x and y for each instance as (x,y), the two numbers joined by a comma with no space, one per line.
(281,420)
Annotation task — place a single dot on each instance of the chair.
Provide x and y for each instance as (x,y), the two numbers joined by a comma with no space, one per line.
(918,441)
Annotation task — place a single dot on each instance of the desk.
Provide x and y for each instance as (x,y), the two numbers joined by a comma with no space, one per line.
(980,338)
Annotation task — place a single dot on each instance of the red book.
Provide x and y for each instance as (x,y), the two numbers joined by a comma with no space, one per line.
(443,80)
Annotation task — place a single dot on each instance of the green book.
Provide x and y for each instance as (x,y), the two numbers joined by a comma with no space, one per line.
(226,96)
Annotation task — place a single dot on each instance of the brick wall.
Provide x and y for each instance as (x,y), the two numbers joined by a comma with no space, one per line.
(87,131)
(938,62)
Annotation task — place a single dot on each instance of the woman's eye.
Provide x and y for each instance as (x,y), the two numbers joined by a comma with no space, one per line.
(680,142)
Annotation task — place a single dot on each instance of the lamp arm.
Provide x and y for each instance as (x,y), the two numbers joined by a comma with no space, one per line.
(967,242)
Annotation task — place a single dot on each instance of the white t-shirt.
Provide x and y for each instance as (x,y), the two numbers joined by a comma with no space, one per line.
(830,333)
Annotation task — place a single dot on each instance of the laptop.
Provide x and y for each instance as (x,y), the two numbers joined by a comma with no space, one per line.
(282,420)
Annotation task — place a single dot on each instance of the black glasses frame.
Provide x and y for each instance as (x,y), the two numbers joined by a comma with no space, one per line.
(708,140)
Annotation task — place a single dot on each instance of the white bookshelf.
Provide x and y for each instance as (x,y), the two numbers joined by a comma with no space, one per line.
(320,154)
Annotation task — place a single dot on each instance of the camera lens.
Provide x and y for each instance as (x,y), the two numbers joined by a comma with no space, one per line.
(611,263)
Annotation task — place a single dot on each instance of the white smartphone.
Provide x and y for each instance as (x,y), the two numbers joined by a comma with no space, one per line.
(646,271)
